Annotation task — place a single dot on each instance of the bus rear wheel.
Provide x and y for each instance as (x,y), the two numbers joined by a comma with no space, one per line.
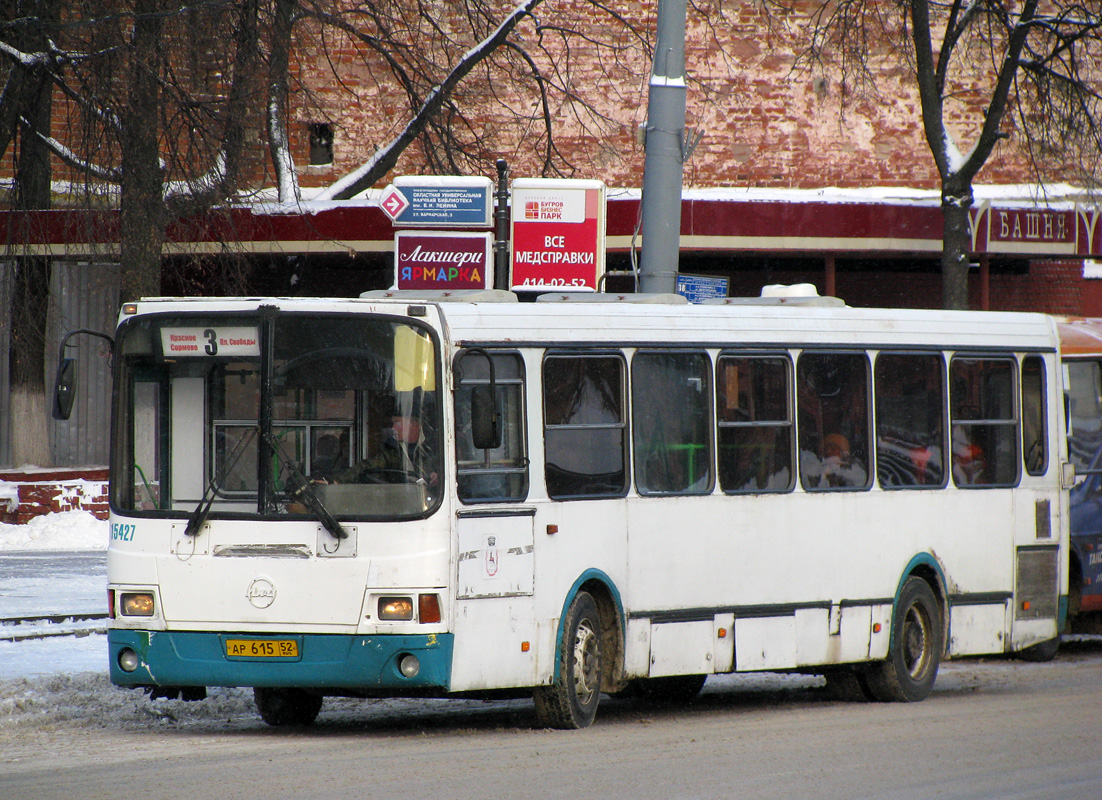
(571,701)
(287,707)
(909,672)
(1038,653)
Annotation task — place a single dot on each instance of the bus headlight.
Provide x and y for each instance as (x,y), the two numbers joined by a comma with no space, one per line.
(409,665)
(136,604)
(396,608)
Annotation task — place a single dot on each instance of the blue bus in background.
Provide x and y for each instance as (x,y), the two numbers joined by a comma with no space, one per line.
(1081,351)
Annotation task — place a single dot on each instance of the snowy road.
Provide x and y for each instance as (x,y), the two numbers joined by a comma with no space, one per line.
(49,583)
(993,728)
(55,564)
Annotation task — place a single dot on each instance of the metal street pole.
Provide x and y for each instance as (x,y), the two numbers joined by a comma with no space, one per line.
(665,143)
(501,221)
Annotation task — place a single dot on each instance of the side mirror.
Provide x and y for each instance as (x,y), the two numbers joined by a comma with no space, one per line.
(485,420)
(65,387)
(65,382)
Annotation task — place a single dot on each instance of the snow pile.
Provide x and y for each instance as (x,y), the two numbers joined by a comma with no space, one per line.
(9,495)
(88,700)
(65,530)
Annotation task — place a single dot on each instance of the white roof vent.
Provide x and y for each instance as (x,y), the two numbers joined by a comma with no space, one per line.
(790,290)
(780,294)
(441,295)
(603,297)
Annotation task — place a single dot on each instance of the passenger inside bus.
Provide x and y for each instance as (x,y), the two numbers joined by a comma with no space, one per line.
(836,468)
(969,463)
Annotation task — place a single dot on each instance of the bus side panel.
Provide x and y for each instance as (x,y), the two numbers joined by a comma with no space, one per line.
(978,629)
(497,644)
(682,648)
(763,643)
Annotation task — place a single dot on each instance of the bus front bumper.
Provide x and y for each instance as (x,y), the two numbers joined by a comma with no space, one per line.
(319,661)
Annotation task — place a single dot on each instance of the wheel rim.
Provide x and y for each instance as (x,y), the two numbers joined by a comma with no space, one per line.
(916,643)
(586,666)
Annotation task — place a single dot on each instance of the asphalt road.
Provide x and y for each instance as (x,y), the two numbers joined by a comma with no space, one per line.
(993,728)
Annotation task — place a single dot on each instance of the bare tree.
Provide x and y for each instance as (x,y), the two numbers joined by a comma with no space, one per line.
(135,112)
(25,112)
(159,117)
(1035,66)
(453,65)
(428,85)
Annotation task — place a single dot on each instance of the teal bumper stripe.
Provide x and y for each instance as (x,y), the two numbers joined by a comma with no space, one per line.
(324,661)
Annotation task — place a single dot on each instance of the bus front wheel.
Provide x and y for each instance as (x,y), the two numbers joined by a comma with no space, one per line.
(571,701)
(287,707)
(909,672)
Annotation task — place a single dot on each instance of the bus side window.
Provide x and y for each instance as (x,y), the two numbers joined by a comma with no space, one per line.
(500,474)
(754,413)
(910,420)
(1034,441)
(585,426)
(671,422)
(833,404)
(984,421)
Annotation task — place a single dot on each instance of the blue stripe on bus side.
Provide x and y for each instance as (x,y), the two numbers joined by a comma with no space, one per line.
(190,658)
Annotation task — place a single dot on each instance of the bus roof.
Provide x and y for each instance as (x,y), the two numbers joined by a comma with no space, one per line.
(497,318)
(745,325)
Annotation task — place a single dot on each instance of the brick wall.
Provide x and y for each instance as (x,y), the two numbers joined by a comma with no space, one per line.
(1052,287)
(32,493)
(765,119)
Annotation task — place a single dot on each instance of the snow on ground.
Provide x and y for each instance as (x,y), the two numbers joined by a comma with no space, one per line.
(88,700)
(66,530)
(55,564)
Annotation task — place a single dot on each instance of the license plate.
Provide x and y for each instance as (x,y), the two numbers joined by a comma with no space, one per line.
(262,648)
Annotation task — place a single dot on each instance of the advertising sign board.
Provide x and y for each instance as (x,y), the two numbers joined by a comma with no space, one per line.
(443,260)
(439,201)
(558,234)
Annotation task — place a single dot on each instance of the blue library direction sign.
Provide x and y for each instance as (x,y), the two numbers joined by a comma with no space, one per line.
(439,201)
(698,288)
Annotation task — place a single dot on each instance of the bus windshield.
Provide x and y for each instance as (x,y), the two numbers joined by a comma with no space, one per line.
(272,414)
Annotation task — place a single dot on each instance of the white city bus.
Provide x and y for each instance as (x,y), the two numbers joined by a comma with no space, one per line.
(465,495)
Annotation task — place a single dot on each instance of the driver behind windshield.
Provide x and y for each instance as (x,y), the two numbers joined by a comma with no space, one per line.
(403,457)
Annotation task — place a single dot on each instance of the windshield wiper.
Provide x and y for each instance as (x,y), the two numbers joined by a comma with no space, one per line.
(304,490)
(202,511)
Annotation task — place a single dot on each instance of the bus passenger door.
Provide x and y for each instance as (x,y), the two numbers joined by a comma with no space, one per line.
(495,631)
